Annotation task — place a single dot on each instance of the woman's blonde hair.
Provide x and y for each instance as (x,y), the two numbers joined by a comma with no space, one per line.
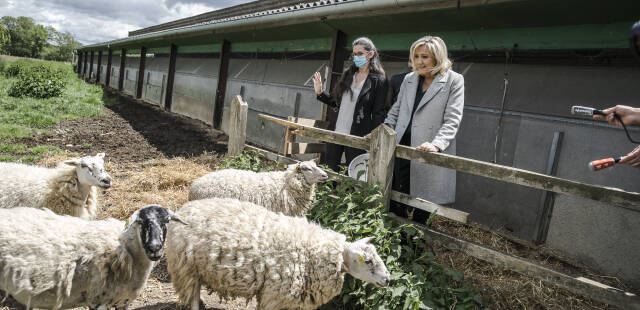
(437,48)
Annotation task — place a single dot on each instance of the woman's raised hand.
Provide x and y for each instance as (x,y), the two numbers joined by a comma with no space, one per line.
(317,83)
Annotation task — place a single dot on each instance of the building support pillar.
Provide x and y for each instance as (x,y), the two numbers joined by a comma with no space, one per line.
(123,57)
(170,77)
(99,67)
(223,71)
(91,66)
(143,56)
(107,77)
(84,67)
(79,64)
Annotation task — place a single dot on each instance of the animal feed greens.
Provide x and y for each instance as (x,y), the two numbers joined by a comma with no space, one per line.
(418,281)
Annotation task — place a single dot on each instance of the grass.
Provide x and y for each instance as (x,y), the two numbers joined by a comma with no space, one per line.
(23,117)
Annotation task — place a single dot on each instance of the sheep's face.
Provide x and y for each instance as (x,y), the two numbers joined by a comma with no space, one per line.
(152,221)
(362,262)
(90,170)
(311,172)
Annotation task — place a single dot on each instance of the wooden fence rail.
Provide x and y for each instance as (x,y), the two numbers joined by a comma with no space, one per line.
(615,196)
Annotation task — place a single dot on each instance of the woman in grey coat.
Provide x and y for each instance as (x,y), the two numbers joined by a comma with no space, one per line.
(427,115)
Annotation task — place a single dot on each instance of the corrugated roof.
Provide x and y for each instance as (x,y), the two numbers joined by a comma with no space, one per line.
(243,11)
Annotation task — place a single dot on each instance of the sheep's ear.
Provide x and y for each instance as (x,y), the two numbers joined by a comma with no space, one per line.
(174,217)
(72,162)
(298,168)
(132,219)
(365,240)
(101,155)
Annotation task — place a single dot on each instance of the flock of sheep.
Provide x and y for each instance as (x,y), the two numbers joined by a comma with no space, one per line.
(242,234)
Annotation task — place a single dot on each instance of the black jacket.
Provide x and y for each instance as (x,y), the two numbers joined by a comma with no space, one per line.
(369,110)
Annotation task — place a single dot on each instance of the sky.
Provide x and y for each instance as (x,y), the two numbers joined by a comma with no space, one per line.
(95,21)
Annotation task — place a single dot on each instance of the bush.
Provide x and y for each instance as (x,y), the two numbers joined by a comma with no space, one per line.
(3,65)
(17,67)
(39,81)
(417,280)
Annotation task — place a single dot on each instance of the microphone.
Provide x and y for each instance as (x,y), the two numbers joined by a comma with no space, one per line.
(580,110)
(604,163)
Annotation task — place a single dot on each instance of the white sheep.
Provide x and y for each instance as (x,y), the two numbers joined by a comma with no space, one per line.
(59,261)
(239,249)
(68,189)
(290,192)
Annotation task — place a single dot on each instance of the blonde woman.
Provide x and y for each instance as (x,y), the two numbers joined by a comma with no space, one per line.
(427,115)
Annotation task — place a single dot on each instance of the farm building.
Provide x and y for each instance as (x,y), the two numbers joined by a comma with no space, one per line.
(525,63)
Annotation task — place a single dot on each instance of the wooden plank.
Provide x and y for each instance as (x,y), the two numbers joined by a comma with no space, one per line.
(629,200)
(91,66)
(99,67)
(143,57)
(578,285)
(305,148)
(79,64)
(123,57)
(223,72)
(547,199)
(84,67)
(450,213)
(107,78)
(237,126)
(309,122)
(381,158)
(168,97)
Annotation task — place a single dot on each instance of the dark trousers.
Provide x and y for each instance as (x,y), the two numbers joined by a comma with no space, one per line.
(334,155)
(402,183)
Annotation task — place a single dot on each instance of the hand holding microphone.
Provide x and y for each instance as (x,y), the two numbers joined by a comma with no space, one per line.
(626,115)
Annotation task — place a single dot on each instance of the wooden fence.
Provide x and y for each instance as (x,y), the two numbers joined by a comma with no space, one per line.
(382,150)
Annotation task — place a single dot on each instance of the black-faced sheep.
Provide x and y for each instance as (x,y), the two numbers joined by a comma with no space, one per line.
(58,261)
(239,249)
(290,192)
(68,189)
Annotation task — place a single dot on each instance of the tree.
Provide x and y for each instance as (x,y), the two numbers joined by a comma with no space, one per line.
(27,38)
(4,37)
(61,45)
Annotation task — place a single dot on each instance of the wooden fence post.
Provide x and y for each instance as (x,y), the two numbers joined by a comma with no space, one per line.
(171,74)
(381,155)
(237,126)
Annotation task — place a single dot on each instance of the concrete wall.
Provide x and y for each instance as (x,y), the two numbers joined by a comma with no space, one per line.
(115,71)
(194,87)
(155,79)
(132,64)
(274,87)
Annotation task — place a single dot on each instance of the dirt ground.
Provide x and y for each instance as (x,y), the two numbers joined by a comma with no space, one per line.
(153,156)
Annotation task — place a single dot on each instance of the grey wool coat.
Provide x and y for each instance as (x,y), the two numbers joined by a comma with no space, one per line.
(436,120)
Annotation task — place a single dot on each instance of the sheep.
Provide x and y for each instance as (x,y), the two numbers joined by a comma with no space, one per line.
(60,261)
(290,192)
(68,189)
(239,249)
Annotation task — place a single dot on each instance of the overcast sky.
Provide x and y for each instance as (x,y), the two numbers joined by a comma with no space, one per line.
(94,21)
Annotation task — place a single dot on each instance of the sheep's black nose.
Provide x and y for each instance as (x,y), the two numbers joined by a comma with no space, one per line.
(106,182)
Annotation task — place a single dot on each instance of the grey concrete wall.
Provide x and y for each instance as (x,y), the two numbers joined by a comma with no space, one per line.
(115,71)
(156,69)
(274,87)
(194,87)
(132,64)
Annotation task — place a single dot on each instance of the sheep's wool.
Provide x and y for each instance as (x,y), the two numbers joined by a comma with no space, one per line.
(39,187)
(53,261)
(239,249)
(282,191)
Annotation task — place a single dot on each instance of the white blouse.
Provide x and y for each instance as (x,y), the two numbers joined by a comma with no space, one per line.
(347,108)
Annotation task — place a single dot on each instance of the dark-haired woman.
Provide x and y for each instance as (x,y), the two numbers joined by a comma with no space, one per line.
(360,98)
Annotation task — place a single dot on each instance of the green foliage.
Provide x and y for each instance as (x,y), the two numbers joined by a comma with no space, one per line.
(248,160)
(418,281)
(39,81)
(20,117)
(6,158)
(17,67)
(26,38)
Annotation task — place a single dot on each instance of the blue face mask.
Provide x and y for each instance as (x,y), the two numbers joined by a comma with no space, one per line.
(360,61)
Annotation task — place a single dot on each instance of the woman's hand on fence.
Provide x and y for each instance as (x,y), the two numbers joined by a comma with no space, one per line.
(427,146)
(368,136)
(317,83)
(633,158)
